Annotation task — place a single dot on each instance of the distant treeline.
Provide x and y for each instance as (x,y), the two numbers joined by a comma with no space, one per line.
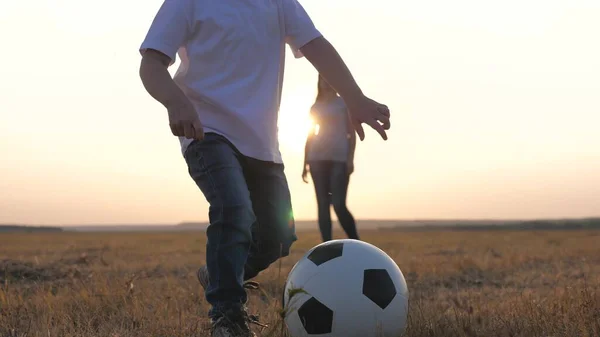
(560,224)
(28,229)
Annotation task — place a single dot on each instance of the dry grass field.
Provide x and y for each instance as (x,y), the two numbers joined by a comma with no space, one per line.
(483,283)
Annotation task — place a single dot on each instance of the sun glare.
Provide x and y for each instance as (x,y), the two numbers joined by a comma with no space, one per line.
(294,122)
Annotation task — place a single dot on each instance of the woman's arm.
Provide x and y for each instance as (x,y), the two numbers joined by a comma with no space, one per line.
(351,147)
(309,138)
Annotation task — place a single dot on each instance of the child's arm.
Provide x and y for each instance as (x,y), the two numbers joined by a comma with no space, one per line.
(302,35)
(170,29)
(362,109)
(157,80)
(183,119)
(329,63)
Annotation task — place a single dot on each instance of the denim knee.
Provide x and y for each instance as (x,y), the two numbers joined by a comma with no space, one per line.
(234,219)
(261,260)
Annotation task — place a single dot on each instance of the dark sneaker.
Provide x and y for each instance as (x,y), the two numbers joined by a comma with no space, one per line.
(202,276)
(232,324)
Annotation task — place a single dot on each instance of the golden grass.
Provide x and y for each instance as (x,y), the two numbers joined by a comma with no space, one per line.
(494,283)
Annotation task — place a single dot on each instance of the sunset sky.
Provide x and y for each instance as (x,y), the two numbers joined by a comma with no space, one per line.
(495,112)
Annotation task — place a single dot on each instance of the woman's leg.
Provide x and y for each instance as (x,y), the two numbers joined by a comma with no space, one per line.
(340,180)
(320,173)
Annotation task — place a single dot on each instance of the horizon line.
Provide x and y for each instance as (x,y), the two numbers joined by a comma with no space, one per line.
(312,220)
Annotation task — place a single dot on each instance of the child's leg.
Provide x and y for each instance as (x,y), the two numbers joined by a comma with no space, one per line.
(215,167)
(274,230)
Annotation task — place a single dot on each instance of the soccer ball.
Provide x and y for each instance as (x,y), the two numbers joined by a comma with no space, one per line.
(345,288)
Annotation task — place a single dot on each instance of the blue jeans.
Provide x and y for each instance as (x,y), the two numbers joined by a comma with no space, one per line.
(331,181)
(250,213)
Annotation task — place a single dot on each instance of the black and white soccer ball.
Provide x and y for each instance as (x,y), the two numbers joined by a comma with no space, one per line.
(346,288)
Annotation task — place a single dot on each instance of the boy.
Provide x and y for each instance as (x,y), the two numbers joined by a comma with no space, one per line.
(223,104)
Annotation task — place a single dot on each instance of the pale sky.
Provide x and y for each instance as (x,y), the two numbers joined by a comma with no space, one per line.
(495,112)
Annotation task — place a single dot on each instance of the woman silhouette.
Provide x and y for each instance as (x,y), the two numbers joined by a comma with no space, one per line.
(329,156)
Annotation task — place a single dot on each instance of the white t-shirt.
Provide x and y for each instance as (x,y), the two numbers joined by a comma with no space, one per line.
(232,60)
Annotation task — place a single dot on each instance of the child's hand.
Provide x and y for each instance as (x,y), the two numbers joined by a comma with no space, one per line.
(365,110)
(184,120)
